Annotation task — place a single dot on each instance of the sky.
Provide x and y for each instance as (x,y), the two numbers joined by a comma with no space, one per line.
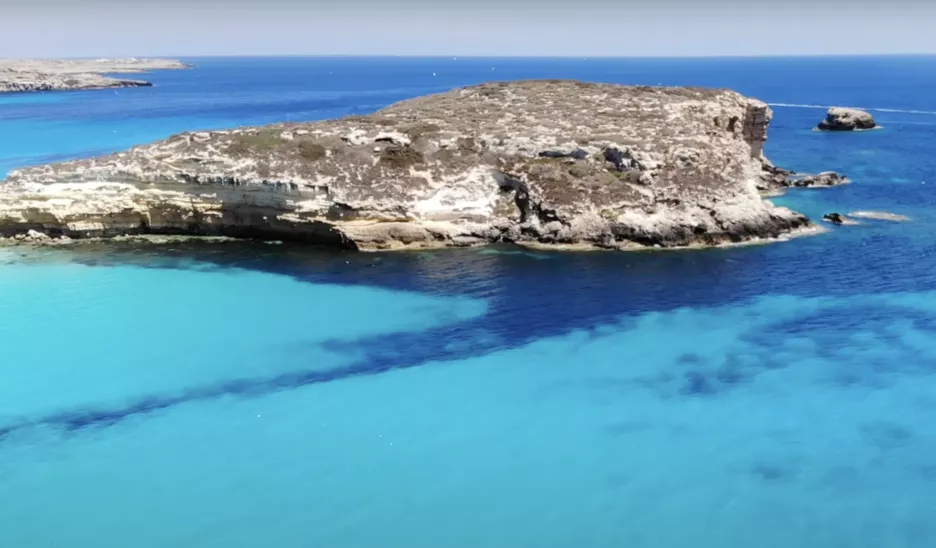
(97,28)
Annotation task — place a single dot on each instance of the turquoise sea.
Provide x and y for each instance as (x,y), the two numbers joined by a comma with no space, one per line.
(228,395)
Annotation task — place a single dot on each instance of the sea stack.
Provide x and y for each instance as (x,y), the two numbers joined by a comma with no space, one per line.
(847,119)
(554,163)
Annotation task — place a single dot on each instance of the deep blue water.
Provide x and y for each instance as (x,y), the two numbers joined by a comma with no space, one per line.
(227,395)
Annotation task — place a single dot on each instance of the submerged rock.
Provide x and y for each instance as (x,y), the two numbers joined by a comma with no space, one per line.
(546,162)
(847,119)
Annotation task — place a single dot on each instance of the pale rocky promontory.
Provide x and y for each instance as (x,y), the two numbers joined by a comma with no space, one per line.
(846,119)
(544,163)
(24,75)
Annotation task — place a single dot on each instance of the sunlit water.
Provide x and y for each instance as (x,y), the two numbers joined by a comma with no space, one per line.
(243,395)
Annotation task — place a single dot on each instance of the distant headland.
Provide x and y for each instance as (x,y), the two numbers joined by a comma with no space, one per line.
(25,75)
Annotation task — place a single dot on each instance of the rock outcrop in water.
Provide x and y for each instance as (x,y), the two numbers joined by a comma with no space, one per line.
(560,163)
(846,119)
(838,219)
(775,179)
(22,75)
(834,218)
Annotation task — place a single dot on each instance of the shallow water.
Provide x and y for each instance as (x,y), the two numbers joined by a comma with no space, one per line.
(247,394)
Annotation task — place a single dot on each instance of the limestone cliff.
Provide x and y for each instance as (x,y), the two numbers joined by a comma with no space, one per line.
(537,162)
(24,75)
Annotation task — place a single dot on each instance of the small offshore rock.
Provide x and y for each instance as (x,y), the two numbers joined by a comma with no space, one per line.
(824,179)
(838,219)
(846,119)
(773,178)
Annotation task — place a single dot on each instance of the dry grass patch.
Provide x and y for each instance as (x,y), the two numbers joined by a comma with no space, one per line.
(399,156)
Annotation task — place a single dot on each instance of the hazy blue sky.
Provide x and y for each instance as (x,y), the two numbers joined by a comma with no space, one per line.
(41,28)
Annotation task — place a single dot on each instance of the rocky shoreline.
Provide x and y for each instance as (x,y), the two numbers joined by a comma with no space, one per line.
(556,163)
(31,75)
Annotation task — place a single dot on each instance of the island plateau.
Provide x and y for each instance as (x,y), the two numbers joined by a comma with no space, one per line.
(547,163)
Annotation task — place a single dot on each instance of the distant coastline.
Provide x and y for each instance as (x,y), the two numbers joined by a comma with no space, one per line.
(30,75)
(547,56)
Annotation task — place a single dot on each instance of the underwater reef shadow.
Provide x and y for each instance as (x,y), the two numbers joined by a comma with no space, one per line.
(842,344)
(375,355)
(628,282)
(527,298)
(759,350)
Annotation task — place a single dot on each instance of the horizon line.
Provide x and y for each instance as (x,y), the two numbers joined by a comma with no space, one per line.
(476,56)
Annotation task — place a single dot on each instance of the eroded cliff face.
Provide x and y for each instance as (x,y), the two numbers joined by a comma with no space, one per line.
(535,162)
(757,117)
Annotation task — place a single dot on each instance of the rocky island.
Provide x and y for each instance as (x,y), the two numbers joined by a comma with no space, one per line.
(543,163)
(23,75)
(846,119)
